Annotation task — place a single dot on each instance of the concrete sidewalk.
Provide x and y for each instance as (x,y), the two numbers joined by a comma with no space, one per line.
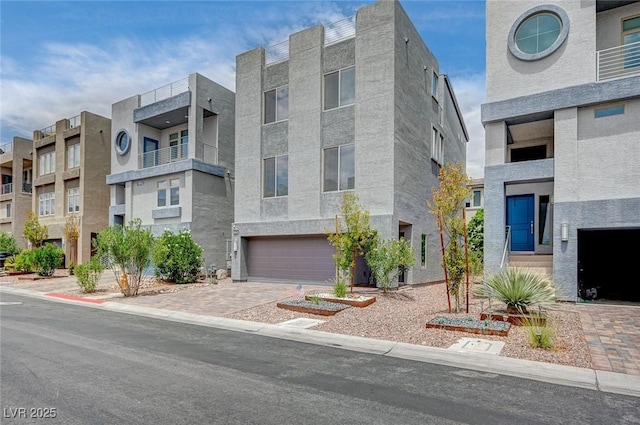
(599,380)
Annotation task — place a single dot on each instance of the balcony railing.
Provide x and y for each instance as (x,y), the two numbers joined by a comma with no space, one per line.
(6,148)
(26,188)
(74,122)
(6,188)
(48,131)
(163,156)
(276,53)
(340,30)
(620,61)
(164,92)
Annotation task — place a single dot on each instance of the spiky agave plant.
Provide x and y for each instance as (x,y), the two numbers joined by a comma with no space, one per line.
(518,288)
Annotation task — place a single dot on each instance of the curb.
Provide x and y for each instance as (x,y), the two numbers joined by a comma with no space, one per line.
(603,381)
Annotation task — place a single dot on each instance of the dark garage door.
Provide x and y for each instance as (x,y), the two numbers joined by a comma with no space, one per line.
(296,259)
(607,261)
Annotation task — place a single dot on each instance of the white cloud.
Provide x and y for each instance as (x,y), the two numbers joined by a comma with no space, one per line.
(470,93)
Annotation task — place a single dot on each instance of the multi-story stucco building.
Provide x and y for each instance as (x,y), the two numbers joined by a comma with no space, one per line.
(361,107)
(70,162)
(562,130)
(172,162)
(16,158)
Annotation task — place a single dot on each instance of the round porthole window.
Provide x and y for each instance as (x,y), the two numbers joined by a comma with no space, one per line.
(538,32)
(122,142)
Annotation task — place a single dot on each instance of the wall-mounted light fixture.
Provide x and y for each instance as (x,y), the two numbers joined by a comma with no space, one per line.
(564,232)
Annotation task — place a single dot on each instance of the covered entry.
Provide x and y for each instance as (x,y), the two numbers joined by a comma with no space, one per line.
(290,258)
(607,264)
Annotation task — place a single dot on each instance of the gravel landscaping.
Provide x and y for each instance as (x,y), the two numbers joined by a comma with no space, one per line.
(402,316)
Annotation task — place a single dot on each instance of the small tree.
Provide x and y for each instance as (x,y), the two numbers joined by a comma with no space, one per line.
(35,232)
(352,239)
(8,243)
(71,232)
(128,250)
(475,229)
(177,257)
(387,258)
(447,204)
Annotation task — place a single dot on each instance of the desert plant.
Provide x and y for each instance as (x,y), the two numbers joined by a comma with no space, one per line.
(35,232)
(88,274)
(8,243)
(25,261)
(47,258)
(340,288)
(387,258)
(518,288)
(315,298)
(128,250)
(540,332)
(177,257)
(10,263)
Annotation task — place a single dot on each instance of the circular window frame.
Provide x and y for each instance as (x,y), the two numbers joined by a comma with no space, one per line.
(117,139)
(562,37)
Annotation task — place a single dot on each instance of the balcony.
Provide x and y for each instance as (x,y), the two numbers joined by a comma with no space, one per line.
(164,92)
(6,189)
(6,148)
(176,153)
(618,62)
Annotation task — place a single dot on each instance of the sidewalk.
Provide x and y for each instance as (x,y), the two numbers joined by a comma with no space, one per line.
(612,332)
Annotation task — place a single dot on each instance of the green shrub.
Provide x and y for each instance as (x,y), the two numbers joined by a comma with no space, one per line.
(540,332)
(387,258)
(315,299)
(518,288)
(177,257)
(340,288)
(25,261)
(72,267)
(47,259)
(10,263)
(8,243)
(88,274)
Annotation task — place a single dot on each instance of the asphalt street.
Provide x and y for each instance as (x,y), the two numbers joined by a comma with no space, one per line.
(90,366)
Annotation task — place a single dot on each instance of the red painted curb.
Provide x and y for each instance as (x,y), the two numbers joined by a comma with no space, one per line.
(74,298)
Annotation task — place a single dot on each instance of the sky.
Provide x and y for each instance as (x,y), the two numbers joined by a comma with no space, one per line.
(58,59)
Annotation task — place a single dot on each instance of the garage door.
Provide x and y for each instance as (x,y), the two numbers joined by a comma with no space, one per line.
(295,259)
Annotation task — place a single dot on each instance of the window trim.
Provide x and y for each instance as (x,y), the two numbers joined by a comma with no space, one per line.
(264,105)
(435,81)
(75,148)
(170,185)
(42,161)
(118,139)
(275,176)
(562,37)
(73,196)
(423,251)
(339,147)
(437,146)
(43,198)
(339,97)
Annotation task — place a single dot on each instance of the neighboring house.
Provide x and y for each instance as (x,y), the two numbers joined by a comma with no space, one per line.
(16,158)
(476,198)
(562,141)
(70,161)
(359,106)
(172,162)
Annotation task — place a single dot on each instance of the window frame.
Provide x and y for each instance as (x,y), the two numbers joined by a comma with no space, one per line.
(118,142)
(435,80)
(167,191)
(473,198)
(338,168)
(339,93)
(9,209)
(437,146)
(423,251)
(73,200)
(47,199)
(276,90)
(538,10)
(609,111)
(73,152)
(46,163)
(275,181)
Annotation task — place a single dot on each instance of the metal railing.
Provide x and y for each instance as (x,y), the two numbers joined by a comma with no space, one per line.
(164,92)
(620,61)
(276,53)
(26,188)
(507,248)
(163,156)
(74,122)
(48,131)
(6,188)
(340,30)
(6,148)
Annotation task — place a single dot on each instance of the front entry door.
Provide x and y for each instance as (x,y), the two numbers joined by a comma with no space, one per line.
(520,216)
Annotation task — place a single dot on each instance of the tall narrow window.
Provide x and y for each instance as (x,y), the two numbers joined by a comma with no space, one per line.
(162,193)
(73,199)
(276,176)
(174,192)
(423,251)
(437,146)
(73,155)
(477,198)
(8,210)
(47,163)
(631,39)
(544,223)
(434,85)
(339,168)
(276,105)
(340,88)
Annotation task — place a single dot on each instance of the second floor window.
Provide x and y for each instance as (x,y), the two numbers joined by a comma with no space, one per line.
(47,204)
(47,163)
(168,191)
(437,146)
(276,176)
(178,144)
(340,88)
(339,168)
(73,199)
(276,105)
(73,155)
(8,210)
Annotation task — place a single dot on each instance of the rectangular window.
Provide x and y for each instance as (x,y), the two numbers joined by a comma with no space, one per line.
(607,112)
(477,198)
(434,85)
(73,199)
(423,251)
(437,146)
(174,192)
(544,223)
(276,105)
(162,193)
(8,210)
(339,168)
(47,163)
(276,176)
(631,35)
(47,204)
(340,88)
(73,155)
(178,145)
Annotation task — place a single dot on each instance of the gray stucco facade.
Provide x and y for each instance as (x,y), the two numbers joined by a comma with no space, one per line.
(581,116)
(389,123)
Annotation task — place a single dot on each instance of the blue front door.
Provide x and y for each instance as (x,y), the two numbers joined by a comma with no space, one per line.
(150,150)
(520,211)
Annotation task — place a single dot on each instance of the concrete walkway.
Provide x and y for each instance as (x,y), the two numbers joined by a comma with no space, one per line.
(612,332)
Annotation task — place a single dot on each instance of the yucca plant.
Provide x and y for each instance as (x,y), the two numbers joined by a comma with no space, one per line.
(518,288)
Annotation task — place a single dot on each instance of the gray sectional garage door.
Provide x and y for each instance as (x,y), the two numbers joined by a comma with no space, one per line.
(296,258)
